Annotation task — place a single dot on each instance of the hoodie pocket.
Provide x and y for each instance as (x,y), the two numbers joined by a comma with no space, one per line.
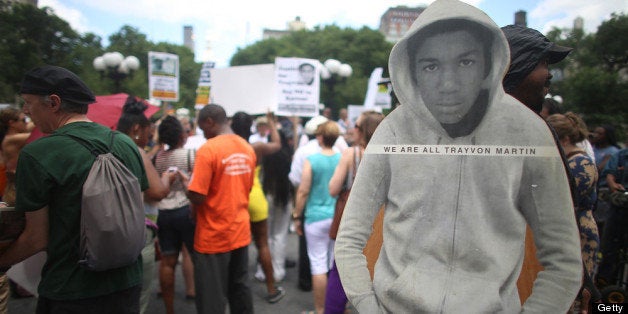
(415,290)
(467,294)
(418,290)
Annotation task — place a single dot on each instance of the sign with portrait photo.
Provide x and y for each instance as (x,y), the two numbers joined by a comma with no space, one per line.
(298,86)
(163,76)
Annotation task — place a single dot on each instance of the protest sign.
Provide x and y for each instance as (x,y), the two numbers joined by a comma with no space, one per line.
(298,86)
(163,76)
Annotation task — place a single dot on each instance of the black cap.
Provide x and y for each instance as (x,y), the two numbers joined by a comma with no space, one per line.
(527,47)
(48,79)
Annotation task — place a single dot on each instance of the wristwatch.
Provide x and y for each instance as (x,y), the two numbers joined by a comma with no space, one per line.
(295,216)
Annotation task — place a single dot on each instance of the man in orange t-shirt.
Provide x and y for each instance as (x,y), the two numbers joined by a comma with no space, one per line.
(219,190)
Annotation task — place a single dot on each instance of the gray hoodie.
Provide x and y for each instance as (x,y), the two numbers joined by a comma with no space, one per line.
(458,192)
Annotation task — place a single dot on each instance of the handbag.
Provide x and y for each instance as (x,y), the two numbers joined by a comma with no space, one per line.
(619,199)
(341,201)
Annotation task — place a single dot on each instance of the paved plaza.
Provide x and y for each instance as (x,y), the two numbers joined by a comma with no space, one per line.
(295,300)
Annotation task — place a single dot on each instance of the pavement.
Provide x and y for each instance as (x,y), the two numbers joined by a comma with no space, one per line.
(295,300)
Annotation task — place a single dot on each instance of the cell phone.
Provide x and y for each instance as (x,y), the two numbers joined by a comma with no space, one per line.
(173,169)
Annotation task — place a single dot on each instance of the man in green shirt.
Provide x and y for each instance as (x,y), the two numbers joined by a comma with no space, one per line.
(50,176)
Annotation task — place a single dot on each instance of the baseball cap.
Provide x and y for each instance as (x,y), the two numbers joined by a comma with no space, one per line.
(527,47)
(312,125)
(48,79)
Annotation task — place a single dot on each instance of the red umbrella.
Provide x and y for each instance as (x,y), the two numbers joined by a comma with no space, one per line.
(108,109)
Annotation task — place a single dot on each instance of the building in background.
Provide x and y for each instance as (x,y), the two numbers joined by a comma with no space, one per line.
(292,26)
(396,21)
(578,23)
(188,37)
(521,19)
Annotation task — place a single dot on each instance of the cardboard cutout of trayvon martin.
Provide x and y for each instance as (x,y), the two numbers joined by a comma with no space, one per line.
(461,167)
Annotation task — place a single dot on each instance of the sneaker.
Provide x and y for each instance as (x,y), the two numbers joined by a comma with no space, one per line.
(275,297)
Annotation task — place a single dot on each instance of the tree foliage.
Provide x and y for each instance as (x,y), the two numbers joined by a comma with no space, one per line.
(364,49)
(30,37)
(596,72)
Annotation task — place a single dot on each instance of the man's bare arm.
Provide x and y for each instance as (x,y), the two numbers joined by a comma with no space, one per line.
(196,198)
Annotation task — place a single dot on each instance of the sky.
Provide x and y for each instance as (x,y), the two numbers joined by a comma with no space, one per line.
(221,27)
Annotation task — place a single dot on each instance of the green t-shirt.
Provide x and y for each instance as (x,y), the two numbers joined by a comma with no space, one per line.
(51,171)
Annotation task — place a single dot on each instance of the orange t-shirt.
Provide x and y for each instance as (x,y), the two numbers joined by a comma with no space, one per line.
(223,172)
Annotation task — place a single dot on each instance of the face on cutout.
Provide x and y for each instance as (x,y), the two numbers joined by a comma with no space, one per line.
(450,72)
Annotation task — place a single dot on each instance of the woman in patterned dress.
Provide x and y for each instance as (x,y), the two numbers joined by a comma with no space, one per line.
(570,130)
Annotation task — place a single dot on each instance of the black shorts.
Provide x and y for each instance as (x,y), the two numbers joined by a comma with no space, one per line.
(176,227)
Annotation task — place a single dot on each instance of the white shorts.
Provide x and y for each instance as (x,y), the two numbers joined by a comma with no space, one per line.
(320,247)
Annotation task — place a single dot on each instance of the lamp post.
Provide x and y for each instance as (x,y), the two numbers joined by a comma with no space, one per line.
(115,66)
(333,72)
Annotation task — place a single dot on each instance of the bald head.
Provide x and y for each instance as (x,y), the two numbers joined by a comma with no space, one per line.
(215,112)
(212,119)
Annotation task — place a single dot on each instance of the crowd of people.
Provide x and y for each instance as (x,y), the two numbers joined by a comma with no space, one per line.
(379,230)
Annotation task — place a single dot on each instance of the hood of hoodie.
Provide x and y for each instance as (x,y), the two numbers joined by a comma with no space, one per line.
(401,74)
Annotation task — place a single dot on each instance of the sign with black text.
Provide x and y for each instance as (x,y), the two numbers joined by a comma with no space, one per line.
(298,86)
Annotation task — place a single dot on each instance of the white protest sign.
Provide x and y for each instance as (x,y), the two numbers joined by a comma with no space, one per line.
(377,95)
(163,76)
(371,92)
(249,88)
(298,86)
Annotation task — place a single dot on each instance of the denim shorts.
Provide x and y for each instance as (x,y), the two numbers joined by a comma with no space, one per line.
(176,227)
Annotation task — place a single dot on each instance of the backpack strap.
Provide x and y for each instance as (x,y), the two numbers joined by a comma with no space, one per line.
(89,146)
(111,141)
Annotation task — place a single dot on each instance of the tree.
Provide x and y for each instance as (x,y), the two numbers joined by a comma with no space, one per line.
(610,45)
(364,49)
(130,41)
(31,37)
(596,78)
